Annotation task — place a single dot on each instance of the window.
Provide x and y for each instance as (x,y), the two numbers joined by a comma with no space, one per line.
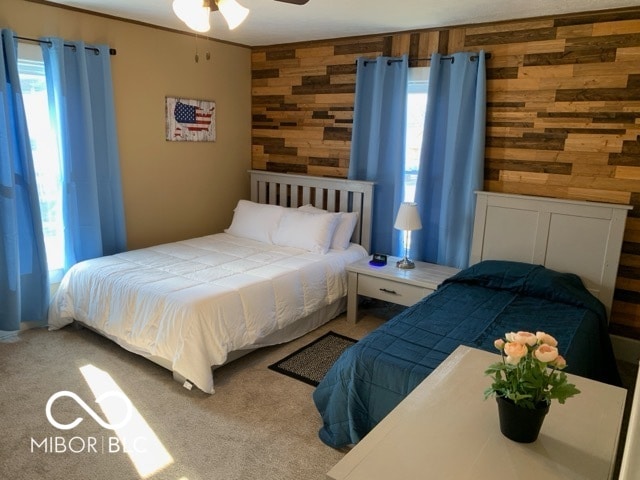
(416,106)
(46,159)
(417,93)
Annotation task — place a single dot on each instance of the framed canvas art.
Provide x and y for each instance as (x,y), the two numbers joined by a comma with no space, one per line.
(190,120)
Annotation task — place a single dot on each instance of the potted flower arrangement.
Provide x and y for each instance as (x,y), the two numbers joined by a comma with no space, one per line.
(525,380)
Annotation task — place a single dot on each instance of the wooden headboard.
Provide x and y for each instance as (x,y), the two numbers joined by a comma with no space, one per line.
(332,194)
(574,236)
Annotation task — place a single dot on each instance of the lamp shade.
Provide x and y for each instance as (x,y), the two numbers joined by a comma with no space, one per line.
(408,217)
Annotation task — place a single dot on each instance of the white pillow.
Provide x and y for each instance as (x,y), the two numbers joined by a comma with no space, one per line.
(256,221)
(309,231)
(342,236)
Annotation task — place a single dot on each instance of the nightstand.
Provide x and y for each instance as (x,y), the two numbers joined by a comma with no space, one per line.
(392,284)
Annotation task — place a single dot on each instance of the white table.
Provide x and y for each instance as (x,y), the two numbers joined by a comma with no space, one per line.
(445,429)
(392,284)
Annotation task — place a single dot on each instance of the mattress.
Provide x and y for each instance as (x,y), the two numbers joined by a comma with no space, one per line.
(193,302)
(473,308)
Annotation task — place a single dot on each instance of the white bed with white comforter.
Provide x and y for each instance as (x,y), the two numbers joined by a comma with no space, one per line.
(198,303)
(192,302)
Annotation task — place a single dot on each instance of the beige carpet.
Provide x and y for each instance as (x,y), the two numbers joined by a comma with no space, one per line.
(258,425)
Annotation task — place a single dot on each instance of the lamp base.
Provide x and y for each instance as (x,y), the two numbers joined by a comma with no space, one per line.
(405,263)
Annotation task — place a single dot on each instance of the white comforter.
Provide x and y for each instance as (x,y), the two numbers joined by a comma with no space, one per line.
(194,301)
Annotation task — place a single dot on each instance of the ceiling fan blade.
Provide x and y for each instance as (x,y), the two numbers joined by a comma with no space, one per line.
(294,2)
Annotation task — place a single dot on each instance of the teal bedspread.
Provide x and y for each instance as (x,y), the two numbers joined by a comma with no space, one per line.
(473,308)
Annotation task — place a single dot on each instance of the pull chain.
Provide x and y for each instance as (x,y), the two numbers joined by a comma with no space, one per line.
(207,55)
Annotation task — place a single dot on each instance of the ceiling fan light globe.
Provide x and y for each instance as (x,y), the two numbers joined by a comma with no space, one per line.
(233,12)
(193,14)
(200,25)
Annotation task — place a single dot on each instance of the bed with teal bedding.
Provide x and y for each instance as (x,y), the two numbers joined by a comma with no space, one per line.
(473,308)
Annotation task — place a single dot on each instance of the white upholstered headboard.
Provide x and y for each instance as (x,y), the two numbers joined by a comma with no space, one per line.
(574,236)
(332,194)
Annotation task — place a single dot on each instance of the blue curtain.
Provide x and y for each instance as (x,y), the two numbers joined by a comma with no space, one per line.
(452,159)
(378,142)
(24,282)
(81,97)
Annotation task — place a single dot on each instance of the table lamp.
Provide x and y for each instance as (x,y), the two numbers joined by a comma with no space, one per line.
(408,219)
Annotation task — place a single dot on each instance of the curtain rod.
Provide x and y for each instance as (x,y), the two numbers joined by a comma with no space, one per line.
(112,51)
(393,60)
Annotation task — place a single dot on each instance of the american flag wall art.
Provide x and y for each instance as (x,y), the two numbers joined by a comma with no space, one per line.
(190,120)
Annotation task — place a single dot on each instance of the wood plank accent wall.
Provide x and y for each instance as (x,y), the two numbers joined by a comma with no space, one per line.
(563,113)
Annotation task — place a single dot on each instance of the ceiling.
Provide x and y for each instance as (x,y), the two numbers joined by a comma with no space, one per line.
(272,22)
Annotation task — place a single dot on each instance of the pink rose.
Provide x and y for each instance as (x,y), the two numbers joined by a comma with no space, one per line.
(499,344)
(546,353)
(512,360)
(559,362)
(514,352)
(510,336)
(526,338)
(546,339)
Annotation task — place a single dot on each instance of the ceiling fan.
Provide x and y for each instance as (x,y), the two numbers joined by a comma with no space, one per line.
(195,13)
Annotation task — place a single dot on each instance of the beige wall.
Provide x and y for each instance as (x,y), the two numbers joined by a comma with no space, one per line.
(172,190)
